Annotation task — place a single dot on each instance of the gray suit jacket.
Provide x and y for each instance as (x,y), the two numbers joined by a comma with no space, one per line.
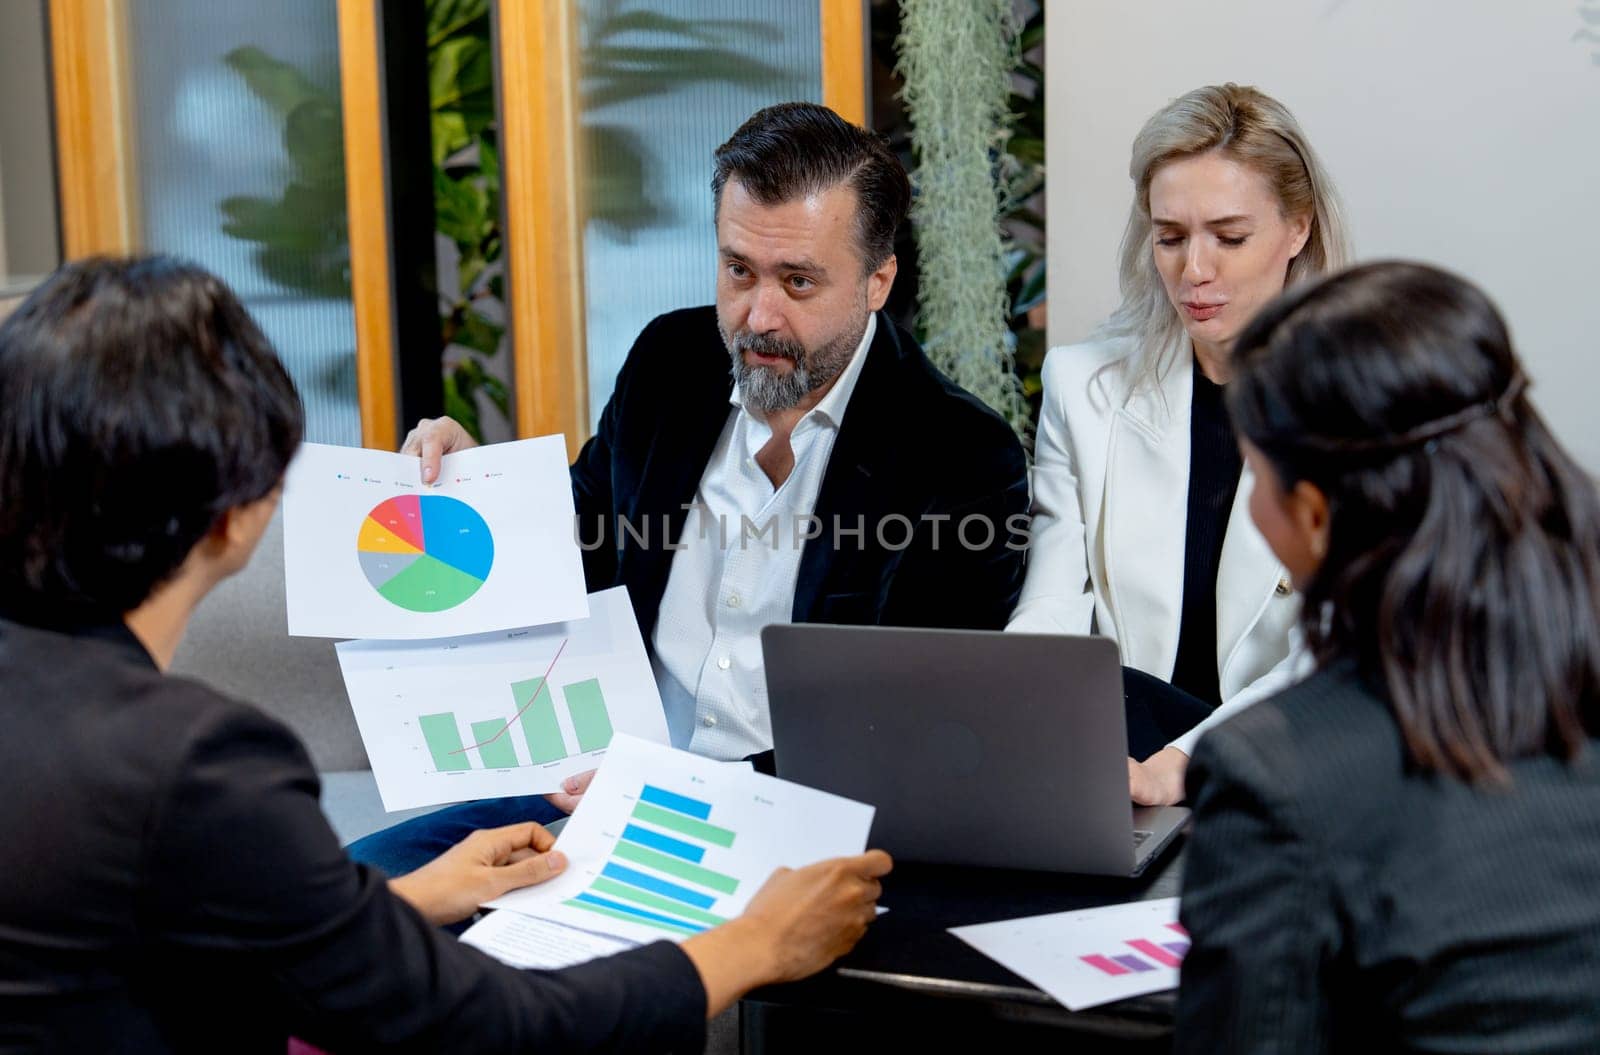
(1341,900)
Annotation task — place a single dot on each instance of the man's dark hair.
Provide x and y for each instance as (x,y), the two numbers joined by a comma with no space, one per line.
(141,402)
(1463,563)
(791,150)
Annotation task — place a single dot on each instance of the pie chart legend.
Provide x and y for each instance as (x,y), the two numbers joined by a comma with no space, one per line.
(425,553)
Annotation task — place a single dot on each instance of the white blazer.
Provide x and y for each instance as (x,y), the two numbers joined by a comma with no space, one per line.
(1110,504)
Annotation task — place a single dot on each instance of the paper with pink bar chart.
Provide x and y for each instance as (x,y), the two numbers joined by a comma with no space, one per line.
(1092,956)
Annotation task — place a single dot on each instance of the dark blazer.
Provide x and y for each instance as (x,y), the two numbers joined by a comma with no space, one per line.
(1341,900)
(170,884)
(912,445)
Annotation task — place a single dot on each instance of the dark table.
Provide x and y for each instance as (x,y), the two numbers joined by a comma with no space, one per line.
(911,982)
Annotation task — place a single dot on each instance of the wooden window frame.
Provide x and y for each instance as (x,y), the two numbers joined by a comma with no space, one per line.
(92,98)
(539,112)
(537,59)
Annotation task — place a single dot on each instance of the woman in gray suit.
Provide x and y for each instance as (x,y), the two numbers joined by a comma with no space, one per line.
(1400,852)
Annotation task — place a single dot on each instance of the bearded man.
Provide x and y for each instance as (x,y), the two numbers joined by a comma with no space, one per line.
(832,475)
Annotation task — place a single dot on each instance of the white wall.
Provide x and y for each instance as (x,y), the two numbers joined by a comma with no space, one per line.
(1461,132)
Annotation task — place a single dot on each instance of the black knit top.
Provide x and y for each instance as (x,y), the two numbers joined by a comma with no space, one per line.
(1214,467)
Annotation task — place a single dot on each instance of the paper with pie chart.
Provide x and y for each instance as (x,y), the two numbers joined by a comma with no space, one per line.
(370,552)
(503,714)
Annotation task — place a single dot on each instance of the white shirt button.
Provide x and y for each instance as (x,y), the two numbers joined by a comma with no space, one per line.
(733,600)
(724,663)
(709,720)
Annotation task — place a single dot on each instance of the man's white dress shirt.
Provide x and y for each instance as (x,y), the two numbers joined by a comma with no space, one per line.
(737,573)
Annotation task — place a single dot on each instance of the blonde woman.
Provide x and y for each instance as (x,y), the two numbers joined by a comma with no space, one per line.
(1141,530)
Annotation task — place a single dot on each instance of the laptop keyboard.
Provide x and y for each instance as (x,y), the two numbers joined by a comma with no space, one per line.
(1139,837)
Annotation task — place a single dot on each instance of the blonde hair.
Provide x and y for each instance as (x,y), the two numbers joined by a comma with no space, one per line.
(1245,125)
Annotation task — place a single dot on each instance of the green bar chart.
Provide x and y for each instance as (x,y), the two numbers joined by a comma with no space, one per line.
(494,742)
(502,714)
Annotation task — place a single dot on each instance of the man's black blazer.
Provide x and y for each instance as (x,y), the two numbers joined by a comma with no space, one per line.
(912,445)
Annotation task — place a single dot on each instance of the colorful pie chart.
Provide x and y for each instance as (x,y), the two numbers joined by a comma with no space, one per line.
(425,553)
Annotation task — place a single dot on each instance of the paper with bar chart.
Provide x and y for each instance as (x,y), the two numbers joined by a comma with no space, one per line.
(666,844)
(510,713)
(1092,956)
(369,552)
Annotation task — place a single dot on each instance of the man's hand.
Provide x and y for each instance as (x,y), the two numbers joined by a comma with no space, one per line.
(479,868)
(432,439)
(1158,780)
(799,922)
(566,800)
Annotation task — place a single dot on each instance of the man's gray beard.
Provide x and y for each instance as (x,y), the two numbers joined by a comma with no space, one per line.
(768,391)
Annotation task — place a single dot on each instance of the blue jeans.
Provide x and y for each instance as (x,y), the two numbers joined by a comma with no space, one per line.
(409,845)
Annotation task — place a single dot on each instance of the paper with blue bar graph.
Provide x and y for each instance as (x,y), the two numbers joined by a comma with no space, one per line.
(503,714)
(666,844)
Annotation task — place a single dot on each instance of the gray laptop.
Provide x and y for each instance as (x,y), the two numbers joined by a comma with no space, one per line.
(976,747)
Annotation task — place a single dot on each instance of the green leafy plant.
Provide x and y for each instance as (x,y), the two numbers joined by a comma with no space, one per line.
(630,54)
(301,236)
(1022,210)
(466,202)
(956,60)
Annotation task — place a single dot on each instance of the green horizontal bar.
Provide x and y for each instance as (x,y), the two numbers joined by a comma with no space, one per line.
(685,825)
(614,914)
(612,888)
(673,866)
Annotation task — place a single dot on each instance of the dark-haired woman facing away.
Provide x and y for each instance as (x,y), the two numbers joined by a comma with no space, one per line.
(1403,851)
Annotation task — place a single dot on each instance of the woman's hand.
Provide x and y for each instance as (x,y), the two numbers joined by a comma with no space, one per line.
(1158,780)
(479,868)
(799,922)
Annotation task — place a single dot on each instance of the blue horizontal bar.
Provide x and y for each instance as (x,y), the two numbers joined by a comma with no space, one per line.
(644,881)
(665,843)
(634,910)
(673,801)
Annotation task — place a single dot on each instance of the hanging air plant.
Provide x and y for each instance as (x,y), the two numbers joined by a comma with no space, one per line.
(957,58)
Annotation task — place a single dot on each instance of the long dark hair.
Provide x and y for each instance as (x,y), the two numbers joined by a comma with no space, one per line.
(1463,563)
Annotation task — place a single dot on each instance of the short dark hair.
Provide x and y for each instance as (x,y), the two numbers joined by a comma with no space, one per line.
(793,149)
(141,402)
(1463,563)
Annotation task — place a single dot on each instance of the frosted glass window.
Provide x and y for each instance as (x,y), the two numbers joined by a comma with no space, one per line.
(210,128)
(664,83)
(29,247)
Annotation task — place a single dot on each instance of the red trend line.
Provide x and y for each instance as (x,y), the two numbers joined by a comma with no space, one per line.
(544,686)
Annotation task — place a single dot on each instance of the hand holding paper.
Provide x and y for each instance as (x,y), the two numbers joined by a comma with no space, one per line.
(763,881)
